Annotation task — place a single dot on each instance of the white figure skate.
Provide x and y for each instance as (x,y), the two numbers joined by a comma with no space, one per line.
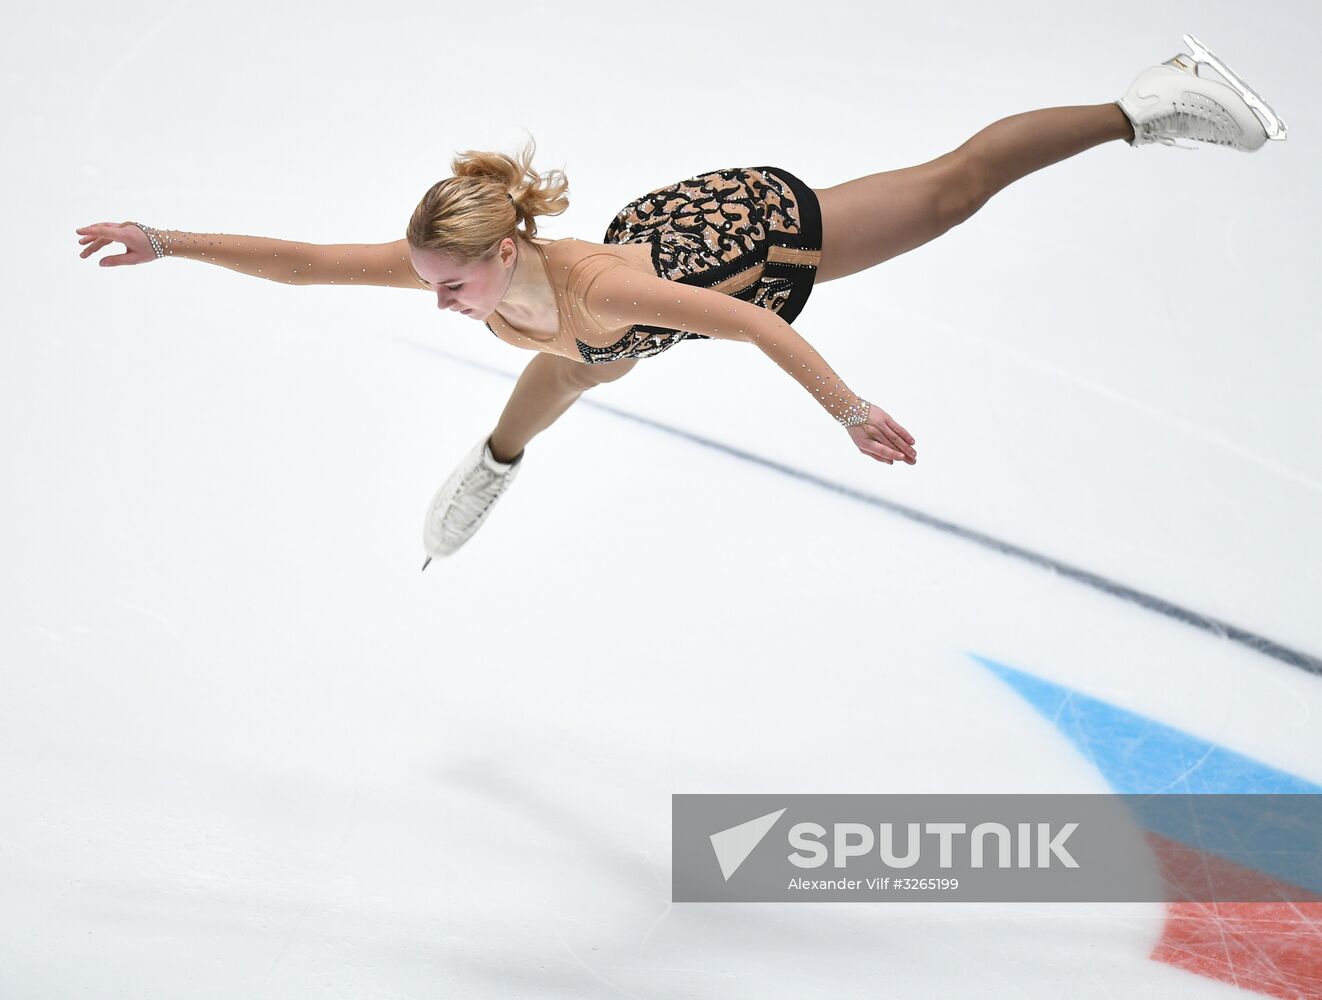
(1172,101)
(465,501)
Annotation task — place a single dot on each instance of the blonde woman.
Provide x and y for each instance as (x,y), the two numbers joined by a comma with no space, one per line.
(730,254)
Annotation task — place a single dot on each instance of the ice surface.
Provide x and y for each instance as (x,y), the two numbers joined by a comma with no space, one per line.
(250,751)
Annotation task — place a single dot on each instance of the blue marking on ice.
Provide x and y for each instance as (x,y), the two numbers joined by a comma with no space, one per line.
(1163,767)
(1140,756)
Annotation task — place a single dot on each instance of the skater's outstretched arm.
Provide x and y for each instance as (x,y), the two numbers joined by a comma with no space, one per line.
(285,261)
(621,297)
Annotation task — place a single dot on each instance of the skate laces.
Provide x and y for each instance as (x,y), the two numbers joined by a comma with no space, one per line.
(478,491)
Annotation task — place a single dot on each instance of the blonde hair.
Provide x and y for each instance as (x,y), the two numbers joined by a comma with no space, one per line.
(490,197)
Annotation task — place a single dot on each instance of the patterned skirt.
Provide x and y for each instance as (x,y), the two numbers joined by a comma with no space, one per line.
(751,232)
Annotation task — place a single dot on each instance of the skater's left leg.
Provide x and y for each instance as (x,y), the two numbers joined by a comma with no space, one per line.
(874,218)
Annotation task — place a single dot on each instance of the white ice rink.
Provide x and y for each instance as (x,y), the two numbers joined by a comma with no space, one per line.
(249,751)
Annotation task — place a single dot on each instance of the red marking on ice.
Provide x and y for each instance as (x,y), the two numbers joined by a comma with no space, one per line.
(1272,948)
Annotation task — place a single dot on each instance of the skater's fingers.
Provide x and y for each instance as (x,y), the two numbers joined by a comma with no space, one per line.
(137,249)
(888,437)
(902,439)
(892,443)
(894,425)
(879,449)
(117,231)
(95,241)
(866,438)
(884,447)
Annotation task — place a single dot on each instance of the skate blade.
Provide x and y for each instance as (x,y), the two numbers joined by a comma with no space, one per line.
(1271,122)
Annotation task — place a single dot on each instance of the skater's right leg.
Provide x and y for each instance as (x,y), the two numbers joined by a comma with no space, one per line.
(546,389)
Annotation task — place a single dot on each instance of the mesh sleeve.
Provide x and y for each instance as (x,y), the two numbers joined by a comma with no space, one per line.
(621,297)
(294,263)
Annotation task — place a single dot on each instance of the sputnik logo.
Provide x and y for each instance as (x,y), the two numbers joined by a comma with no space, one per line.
(733,846)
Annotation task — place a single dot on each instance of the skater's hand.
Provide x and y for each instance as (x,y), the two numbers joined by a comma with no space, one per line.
(137,248)
(883,439)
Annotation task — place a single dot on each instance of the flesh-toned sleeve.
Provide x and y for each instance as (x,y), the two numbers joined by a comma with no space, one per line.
(621,296)
(292,262)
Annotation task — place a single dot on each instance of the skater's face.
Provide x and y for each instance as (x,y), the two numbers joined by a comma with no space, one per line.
(473,290)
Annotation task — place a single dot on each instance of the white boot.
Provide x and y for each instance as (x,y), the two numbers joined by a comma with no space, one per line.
(465,501)
(1172,101)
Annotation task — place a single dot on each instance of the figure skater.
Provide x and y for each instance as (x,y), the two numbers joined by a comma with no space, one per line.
(730,254)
